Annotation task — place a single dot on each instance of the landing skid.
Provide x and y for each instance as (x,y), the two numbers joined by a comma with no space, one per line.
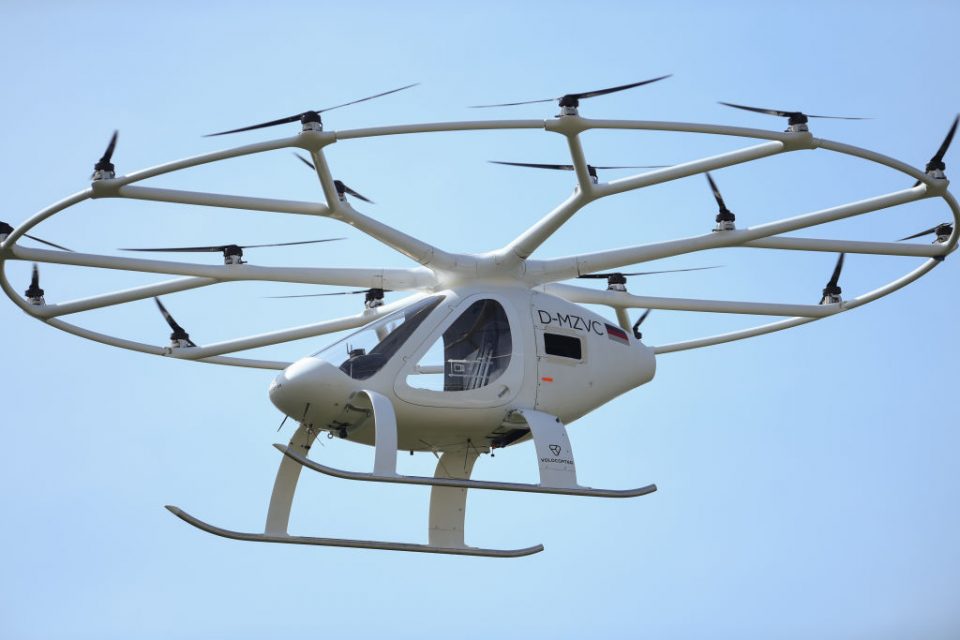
(448,495)
(558,471)
(355,544)
(464,484)
(447,504)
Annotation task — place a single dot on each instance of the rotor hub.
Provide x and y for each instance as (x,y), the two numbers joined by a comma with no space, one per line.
(944,231)
(233,254)
(311,121)
(831,295)
(180,339)
(34,296)
(104,170)
(725,221)
(617,282)
(373,298)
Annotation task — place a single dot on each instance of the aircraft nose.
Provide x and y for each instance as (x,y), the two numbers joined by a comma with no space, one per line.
(291,390)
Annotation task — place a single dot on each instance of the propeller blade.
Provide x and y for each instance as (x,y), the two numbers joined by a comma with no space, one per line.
(838,117)
(835,278)
(636,325)
(535,165)
(211,249)
(938,156)
(296,117)
(262,125)
(51,244)
(385,93)
(342,188)
(108,154)
(641,319)
(222,247)
(786,114)
(104,164)
(178,331)
(918,235)
(574,98)
(335,293)
(509,104)
(305,161)
(642,273)
(769,112)
(623,87)
(716,192)
(569,167)
(288,244)
(944,228)
(34,293)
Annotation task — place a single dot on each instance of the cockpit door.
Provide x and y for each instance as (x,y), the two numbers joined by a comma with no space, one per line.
(562,336)
(473,359)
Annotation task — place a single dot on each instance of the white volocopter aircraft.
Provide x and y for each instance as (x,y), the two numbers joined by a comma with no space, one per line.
(490,350)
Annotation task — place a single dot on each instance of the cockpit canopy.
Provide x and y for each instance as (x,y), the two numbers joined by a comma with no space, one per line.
(362,354)
(471,353)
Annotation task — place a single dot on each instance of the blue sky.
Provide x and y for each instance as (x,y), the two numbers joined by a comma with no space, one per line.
(808,480)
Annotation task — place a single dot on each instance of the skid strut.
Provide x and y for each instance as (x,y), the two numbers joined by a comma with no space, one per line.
(558,472)
(447,507)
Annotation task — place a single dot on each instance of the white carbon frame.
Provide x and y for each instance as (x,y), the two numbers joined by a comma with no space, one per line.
(504,267)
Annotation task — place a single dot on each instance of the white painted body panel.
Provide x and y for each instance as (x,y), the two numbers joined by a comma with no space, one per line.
(438,420)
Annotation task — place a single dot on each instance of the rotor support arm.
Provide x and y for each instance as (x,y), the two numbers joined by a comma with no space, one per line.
(794,322)
(584,180)
(658,176)
(286,335)
(396,279)
(539,271)
(219,200)
(622,300)
(587,192)
(413,248)
(121,297)
(850,246)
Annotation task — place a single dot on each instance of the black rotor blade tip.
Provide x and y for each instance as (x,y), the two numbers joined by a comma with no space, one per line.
(622,87)
(305,161)
(534,165)
(769,112)
(343,188)
(716,192)
(169,318)
(46,242)
(271,123)
(922,233)
(835,277)
(108,154)
(378,95)
(938,156)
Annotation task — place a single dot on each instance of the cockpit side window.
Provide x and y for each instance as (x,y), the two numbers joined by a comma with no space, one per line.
(476,350)
(364,353)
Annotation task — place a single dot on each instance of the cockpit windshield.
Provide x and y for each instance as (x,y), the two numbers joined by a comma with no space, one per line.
(362,354)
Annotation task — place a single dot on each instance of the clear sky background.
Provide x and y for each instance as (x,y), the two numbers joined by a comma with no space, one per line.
(808,479)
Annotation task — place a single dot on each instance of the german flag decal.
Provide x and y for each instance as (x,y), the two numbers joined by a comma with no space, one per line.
(617,334)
